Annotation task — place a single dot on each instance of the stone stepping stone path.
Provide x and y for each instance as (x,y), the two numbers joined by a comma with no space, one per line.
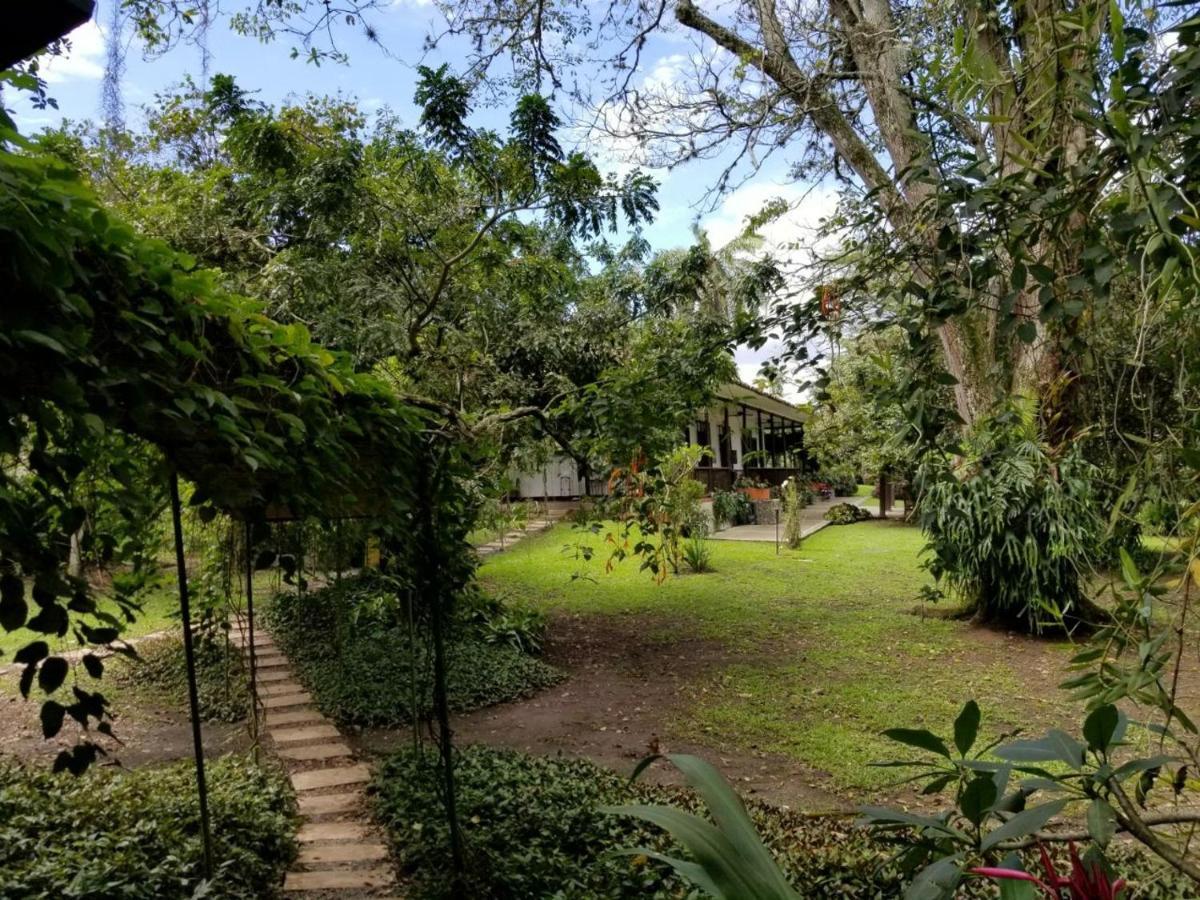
(534,526)
(342,853)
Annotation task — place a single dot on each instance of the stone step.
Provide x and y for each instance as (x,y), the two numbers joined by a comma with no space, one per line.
(316,832)
(267,676)
(283,701)
(332,750)
(337,880)
(327,854)
(273,689)
(309,733)
(272,661)
(293,717)
(329,804)
(335,776)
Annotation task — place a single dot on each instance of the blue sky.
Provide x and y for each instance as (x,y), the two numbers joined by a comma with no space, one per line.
(377,79)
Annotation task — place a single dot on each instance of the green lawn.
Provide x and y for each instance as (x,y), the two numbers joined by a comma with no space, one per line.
(825,650)
(160,611)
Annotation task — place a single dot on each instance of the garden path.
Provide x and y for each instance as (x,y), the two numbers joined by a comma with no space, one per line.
(814,521)
(543,522)
(342,853)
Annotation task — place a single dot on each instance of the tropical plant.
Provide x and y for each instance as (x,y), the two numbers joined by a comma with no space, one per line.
(1088,880)
(992,814)
(729,860)
(732,508)
(846,514)
(698,554)
(1011,526)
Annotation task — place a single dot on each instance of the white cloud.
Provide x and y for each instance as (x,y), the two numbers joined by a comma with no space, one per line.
(85,59)
(792,236)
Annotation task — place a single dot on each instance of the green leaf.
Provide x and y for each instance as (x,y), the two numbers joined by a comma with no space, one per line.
(978,799)
(1100,727)
(1027,332)
(1023,824)
(966,727)
(44,340)
(919,738)
(937,881)
(1101,822)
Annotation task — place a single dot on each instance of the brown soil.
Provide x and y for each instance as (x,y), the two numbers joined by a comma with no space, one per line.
(628,678)
(149,735)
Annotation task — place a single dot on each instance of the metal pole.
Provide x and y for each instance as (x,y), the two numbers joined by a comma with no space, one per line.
(189,656)
(778,511)
(250,631)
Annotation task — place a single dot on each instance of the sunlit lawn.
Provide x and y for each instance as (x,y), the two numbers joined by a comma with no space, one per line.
(825,649)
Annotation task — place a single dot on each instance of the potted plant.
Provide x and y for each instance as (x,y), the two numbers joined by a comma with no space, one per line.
(753,488)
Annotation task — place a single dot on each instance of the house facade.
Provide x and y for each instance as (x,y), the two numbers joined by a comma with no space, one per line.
(750,433)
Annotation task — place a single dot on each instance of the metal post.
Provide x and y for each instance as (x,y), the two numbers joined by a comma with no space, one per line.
(250,638)
(778,511)
(189,655)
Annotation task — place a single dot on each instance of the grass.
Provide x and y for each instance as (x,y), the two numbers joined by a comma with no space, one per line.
(160,612)
(824,650)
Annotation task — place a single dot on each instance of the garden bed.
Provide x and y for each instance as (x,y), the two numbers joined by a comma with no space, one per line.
(533,827)
(352,648)
(136,834)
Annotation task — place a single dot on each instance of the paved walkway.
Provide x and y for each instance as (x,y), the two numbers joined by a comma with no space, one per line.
(342,854)
(813,521)
(547,520)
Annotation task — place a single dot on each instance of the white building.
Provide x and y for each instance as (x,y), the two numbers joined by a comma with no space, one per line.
(750,433)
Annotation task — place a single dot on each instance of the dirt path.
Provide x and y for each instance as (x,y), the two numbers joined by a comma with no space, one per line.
(625,686)
(149,734)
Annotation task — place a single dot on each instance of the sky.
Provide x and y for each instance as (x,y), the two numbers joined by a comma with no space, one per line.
(377,79)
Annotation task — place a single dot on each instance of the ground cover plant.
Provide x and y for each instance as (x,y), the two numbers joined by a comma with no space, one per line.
(351,646)
(142,834)
(536,827)
(159,674)
(827,648)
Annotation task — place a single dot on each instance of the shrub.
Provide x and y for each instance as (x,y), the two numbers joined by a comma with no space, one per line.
(350,644)
(733,508)
(697,554)
(222,676)
(846,514)
(1012,528)
(136,834)
(501,620)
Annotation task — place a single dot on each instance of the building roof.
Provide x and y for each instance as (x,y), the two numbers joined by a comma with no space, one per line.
(741,393)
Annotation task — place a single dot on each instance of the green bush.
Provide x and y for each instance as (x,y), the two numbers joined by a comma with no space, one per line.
(1011,528)
(732,508)
(222,676)
(502,620)
(136,834)
(846,514)
(697,554)
(350,645)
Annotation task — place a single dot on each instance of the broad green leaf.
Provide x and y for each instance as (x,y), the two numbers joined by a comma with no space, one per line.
(919,738)
(966,727)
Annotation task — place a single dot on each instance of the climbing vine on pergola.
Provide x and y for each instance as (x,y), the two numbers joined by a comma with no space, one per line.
(113,339)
